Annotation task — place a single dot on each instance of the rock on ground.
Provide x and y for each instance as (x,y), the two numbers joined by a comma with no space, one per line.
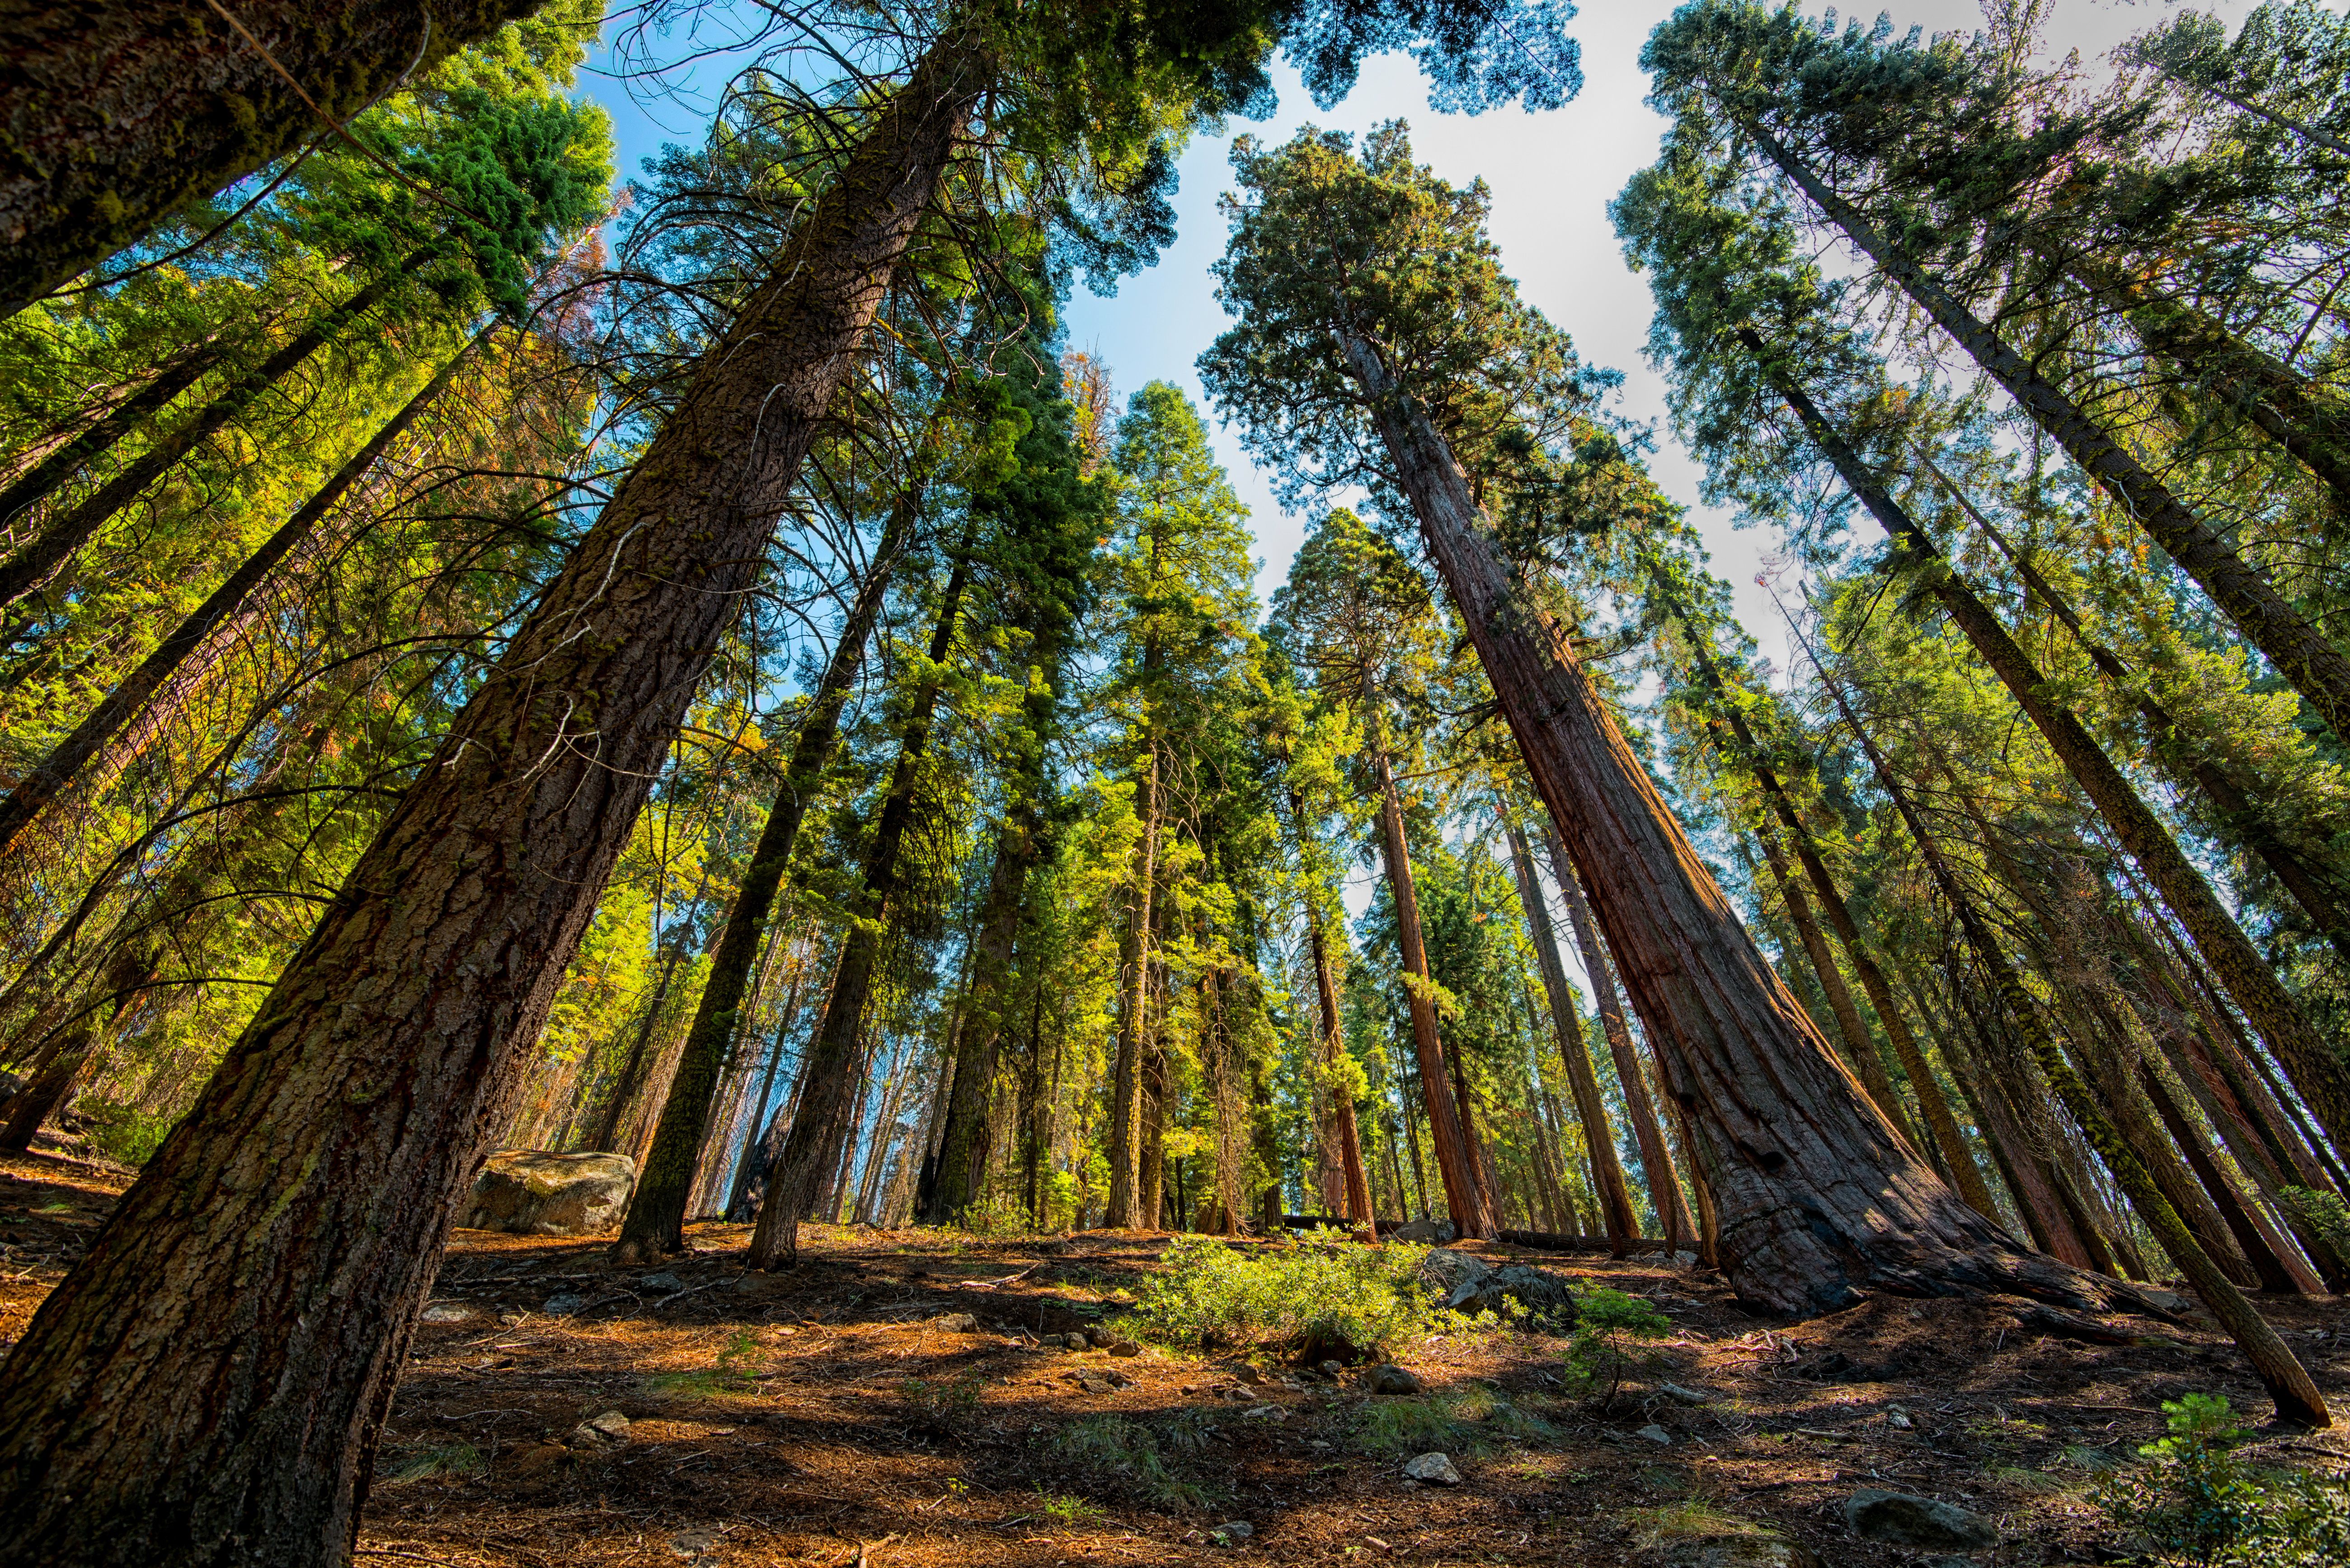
(533,1193)
(1898,1519)
(1469,1284)
(1433,1470)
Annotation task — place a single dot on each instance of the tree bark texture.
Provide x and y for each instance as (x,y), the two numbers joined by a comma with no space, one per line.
(2302,653)
(2318,1069)
(207,1386)
(121,110)
(1623,1225)
(1819,1198)
(127,718)
(1464,1195)
(655,1223)
(1134,990)
(60,536)
(1672,1209)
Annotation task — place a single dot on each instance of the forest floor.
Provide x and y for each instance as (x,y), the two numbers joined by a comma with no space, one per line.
(821,1418)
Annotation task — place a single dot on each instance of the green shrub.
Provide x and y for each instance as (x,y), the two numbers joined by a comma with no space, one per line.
(2199,1504)
(124,1132)
(2324,1213)
(1128,1454)
(448,1459)
(1325,1295)
(1468,1420)
(1609,1332)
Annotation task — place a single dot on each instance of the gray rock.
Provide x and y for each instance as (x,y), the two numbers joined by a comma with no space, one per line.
(1539,1291)
(1234,1529)
(1125,1347)
(1422,1231)
(1899,1518)
(611,1427)
(1386,1379)
(562,1303)
(533,1193)
(1246,1373)
(1449,1272)
(9,1084)
(1094,1383)
(446,1312)
(611,1423)
(1332,1369)
(954,1323)
(1684,1396)
(665,1283)
(1433,1470)
(1656,1435)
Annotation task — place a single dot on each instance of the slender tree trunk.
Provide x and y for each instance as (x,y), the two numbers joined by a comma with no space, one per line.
(126,720)
(2302,653)
(67,531)
(1820,1199)
(826,1066)
(743,1166)
(1134,963)
(1332,1049)
(103,434)
(1647,1133)
(1623,1224)
(121,111)
(655,1223)
(2287,1382)
(2236,813)
(1463,1196)
(2317,1068)
(208,1385)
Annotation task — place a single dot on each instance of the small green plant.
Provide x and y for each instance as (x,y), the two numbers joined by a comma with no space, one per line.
(1065,1510)
(2324,1213)
(1468,1420)
(733,1373)
(943,1408)
(1324,1297)
(1609,1330)
(1128,1453)
(126,1132)
(446,1460)
(2196,1503)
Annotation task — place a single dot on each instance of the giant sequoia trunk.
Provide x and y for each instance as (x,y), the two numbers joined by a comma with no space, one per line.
(1465,1196)
(655,1223)
(1819,1200)
(828,1114)
(207,1386)
(70,529)
(2302,653)
(1616,1211)
(2318,1069)
(1639,1109)
(120,111)
(128,718)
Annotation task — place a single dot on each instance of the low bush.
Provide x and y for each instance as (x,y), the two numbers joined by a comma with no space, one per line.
(1468,1420)
(1128,1455)
(125,1132)
(1325,1295)
(2198,1503)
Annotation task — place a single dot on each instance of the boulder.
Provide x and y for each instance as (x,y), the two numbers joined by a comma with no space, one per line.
(447,1312)
(535,1193)
(1899,1518)
(1472,1285)
(1431,1470)
(1234,1529)
(953,1323)
(1389,1379)
(1422,1231)
(1448,1273)
(1656,1435)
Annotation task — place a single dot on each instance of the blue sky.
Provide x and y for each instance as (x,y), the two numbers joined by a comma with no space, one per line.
(1552,176)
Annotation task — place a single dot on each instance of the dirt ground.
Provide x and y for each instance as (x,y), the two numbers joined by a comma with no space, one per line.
(822,1417)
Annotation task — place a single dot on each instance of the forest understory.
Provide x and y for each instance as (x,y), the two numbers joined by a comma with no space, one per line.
(822,1416)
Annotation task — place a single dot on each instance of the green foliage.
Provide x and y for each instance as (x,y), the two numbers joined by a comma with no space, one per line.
(1609,1330)
(125,1131)
(1471,1418)
(2198,1504)
(943,1406)
(1324,1291)
(2324,1213)
(442,1460)
(1130,1453)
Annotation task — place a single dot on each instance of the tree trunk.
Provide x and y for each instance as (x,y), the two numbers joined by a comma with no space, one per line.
(63,534)
(831,1055)
(2300,651)
(655,1224)
(120,112)
(1134,964)
(2287,1382)
(1820,1201)
(148,697)
(104,433)
(1615,1209)
(739,1189)
(1463,1196)
(2236,813)
(1647,1133)
(2318,1070)
(207,1386)
(1345,1131)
